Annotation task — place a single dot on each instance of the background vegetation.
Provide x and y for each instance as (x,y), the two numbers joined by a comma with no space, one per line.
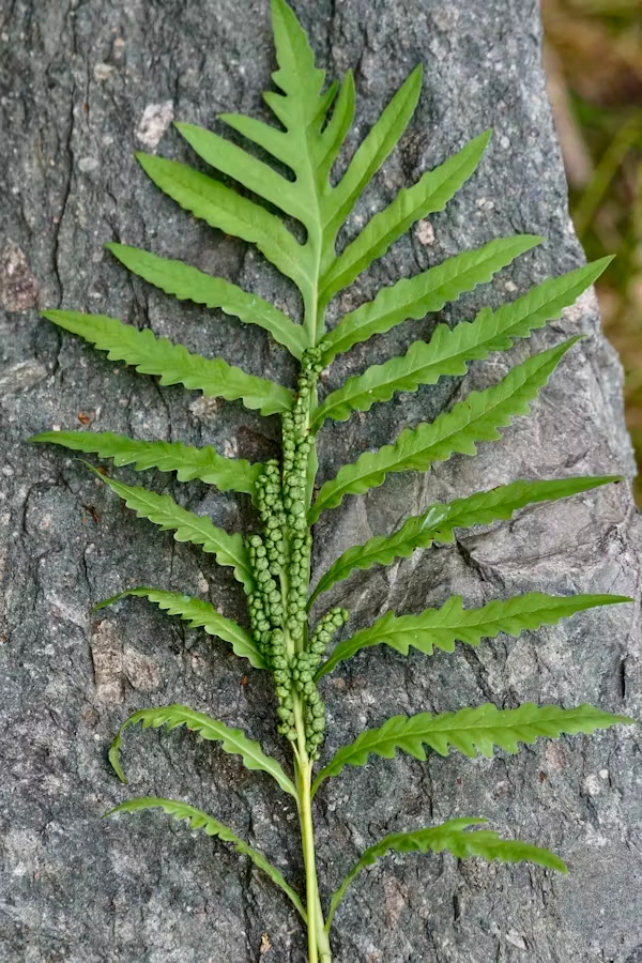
(594,64)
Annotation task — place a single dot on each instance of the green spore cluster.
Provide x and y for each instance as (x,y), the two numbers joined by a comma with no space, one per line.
(280,563)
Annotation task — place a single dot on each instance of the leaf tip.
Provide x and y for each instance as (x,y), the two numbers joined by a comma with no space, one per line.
(105,602)
(114,759)
(51,314)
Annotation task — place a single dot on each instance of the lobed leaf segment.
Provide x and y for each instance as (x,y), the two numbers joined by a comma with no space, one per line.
(273,563)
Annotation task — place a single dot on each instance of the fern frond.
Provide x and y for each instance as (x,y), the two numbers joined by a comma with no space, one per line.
(450,350)
(441,628)
(415,297)
(187,283)
(429,195)
(233,741)
(438,522)
(478,418)
(375,148)
(222,208)
(197,819)
(228,474)
(471,731)
(450,836)
(173,362)
(164,512)
(199,614)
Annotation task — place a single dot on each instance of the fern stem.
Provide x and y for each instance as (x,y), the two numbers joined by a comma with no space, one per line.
(318,941)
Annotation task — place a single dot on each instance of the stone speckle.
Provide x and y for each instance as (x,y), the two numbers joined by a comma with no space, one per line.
(81,889)
(21,376)
(154,122)
(18,286)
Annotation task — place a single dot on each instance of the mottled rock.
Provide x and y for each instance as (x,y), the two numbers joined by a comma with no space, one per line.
(77,81)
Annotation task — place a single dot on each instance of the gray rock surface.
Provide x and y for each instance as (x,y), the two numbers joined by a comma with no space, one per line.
(82,86)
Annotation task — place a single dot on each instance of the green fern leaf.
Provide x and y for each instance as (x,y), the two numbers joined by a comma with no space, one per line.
(197,819)
(451,349)
(471,731)
(228,474)
(222,208)
(173,362)
(478,418)
(233,741)
(163,511)
(450,836)
(430,194)
(438,522)
(199,614)
(375,148)
(415,297)
(252,173)
(189,284)
(441,628)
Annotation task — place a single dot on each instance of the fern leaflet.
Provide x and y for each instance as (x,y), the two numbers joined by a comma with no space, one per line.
(199,614)
(164,512)
(254,174)
(205,463)
(429,195)
(233,741)
(438,522)
(187,283)
(173,362)
(471,731)
(451,349)
(441,628)
(450,836)
(424,293)
(475,419)
(223,208)
(197,819)
(374,149)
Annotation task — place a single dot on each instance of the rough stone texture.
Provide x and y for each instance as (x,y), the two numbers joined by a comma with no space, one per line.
(83,85)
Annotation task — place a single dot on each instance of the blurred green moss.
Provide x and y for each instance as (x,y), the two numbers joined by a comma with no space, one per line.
(594,64)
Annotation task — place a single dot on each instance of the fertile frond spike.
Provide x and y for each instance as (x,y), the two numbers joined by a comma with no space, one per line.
(471,731)
(224,209)
(450,350)
(413,298)
(438,522)
(373,151)
(441,628)
(450,836)
(197,819)
(233,741)
(173,362)
(228,474)
(199,614)
(429,195)
(187,283)
(164,512)
(478,418)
